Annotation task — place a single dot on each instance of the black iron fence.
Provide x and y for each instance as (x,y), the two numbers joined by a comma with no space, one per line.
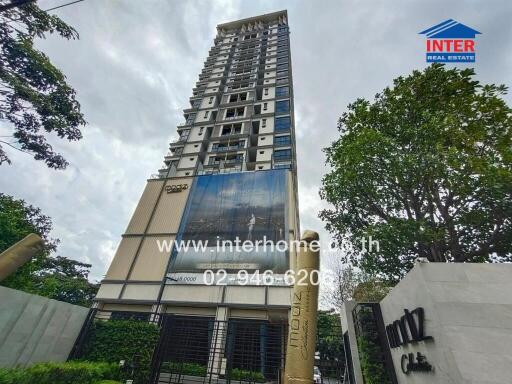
(203,350)
(178,349)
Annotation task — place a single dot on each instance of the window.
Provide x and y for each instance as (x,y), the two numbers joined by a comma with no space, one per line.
(282,123)
(266,91)
(234,112)
(282,91)
(265,105)
(206,114)
(196,104)
(201,131)
(211,100)
(283,80)
(283,154)
(264,123)
(282,140)
(231,129)
(282,106)
(282,67)
(282,60)
(282,73)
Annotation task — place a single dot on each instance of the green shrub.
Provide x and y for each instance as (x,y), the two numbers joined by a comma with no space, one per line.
(13,376)
(190,369)
(243,375)
(108,382)
(128,340)
(372,364)
(74,372)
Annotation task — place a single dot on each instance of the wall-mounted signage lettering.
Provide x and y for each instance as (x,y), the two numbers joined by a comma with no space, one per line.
(410,364)
(175,188)
(408,329)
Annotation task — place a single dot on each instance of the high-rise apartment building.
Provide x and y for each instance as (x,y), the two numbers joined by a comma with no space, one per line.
(230,177)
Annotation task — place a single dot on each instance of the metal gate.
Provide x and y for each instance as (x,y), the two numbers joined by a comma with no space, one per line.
(203,350)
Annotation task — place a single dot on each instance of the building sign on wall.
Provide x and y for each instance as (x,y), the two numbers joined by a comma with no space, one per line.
(175,188)
(409,329)
(228,220)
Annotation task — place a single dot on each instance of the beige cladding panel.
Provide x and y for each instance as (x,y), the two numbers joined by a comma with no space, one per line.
(141,292)
(109,291)
(168,213)
(193,293)
(245,295)
(145,207)
(123,258)
(151,262)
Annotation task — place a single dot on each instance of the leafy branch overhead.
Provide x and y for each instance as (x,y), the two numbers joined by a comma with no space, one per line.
(425,169)
(35,98)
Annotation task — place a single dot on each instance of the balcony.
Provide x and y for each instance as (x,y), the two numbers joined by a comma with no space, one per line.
(229,148)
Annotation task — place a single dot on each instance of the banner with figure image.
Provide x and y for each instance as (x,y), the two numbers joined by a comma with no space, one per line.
(229,209)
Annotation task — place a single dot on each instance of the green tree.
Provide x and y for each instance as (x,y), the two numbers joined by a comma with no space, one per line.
(426,170)
(55,277)
(35,97)
(371,290)
(329,343)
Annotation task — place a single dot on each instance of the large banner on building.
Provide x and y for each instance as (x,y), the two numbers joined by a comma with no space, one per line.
(233,222)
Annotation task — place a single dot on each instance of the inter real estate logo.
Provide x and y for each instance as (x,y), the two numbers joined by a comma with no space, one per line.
(450,42)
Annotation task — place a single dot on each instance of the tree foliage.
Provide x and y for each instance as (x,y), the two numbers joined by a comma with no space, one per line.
(131,340)
(349,283)
(426,170)
(34,95)
(57,277)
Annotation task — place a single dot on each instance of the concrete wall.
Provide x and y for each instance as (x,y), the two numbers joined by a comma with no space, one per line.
(36,329)
(468,312)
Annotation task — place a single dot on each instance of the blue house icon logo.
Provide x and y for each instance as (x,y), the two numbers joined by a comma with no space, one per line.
(450,42)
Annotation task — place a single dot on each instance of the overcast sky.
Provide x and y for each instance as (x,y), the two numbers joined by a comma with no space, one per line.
(136,63)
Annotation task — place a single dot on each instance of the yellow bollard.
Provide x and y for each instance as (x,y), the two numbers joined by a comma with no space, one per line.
(300,351)
(18,254)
